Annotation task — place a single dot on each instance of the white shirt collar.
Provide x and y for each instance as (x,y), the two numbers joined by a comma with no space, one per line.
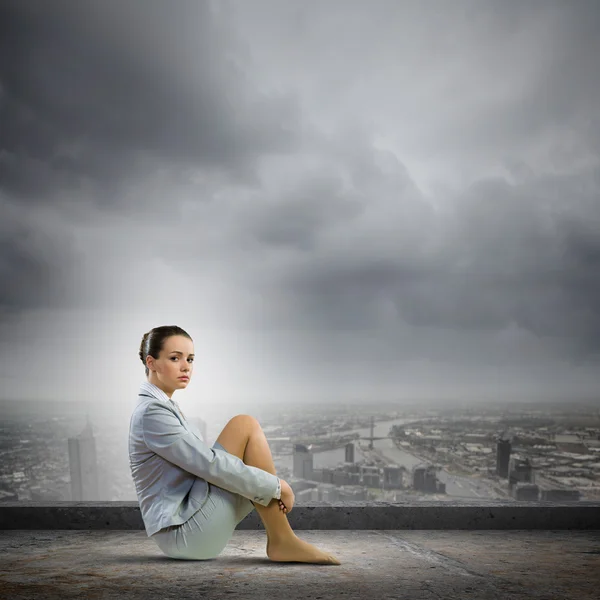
(149,388)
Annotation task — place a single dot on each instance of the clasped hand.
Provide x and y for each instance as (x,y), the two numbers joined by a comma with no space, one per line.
(287,497)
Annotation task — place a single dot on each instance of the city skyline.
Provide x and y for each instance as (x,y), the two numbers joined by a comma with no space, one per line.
(58,458)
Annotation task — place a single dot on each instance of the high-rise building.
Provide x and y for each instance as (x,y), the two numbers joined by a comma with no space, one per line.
(83,466)
(303,462)
(520,471)
(502,457)
(392,477)
(350,453)
(425,479)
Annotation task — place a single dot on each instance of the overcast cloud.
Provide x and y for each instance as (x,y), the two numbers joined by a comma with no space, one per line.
(335,199)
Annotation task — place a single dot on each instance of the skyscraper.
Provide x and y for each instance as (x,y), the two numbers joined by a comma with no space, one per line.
(350,453)
(303,462)
(503,448)
(83,465)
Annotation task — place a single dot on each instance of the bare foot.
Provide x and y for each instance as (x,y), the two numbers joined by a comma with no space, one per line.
(293,549)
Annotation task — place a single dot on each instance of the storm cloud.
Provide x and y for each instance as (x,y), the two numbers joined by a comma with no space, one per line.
(332,198)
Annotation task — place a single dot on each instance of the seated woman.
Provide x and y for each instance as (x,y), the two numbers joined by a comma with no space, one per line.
(193,496)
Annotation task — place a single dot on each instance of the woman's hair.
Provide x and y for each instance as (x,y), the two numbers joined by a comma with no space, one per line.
(153,341)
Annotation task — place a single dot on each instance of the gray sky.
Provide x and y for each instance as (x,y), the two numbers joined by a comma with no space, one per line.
(336,199)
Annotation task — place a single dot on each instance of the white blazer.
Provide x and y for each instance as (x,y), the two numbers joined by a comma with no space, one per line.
(172,465)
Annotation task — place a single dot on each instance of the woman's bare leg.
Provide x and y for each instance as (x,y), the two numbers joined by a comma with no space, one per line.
(244,437)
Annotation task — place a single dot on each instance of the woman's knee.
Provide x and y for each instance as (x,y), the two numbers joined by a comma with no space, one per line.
(246,423)
(237,433)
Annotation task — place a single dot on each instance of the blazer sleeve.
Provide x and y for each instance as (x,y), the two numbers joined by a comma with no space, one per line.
(164,434)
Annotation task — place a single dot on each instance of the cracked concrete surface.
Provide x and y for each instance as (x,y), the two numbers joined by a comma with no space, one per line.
(384,564)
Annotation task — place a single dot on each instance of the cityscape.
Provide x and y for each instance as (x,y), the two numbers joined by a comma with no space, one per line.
(517,452)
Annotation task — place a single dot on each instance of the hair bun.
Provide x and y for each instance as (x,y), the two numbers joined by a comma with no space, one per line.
(143,349)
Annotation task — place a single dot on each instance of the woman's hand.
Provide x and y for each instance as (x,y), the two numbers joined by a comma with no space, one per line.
(287,497)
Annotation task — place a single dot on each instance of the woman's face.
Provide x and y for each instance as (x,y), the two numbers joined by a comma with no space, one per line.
(175,361)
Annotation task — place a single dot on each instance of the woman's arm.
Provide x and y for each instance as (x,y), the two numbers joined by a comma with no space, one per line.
(164,434)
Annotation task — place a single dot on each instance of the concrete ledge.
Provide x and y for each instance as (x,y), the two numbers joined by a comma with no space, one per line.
(453,514)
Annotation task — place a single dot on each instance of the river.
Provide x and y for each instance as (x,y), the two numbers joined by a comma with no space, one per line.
(331,458)
(456,486)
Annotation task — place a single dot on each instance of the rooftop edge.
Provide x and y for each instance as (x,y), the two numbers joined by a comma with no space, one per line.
(454,514)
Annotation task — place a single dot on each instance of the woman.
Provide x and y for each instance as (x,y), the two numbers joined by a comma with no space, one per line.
(192,496)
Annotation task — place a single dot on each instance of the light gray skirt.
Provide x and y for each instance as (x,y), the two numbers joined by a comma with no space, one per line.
(206,533)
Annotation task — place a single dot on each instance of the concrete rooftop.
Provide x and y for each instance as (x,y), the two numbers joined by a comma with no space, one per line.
(452,550)
(382,564)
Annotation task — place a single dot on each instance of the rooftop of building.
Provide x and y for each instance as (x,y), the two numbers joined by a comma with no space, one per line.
(415,564)
(451,550)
